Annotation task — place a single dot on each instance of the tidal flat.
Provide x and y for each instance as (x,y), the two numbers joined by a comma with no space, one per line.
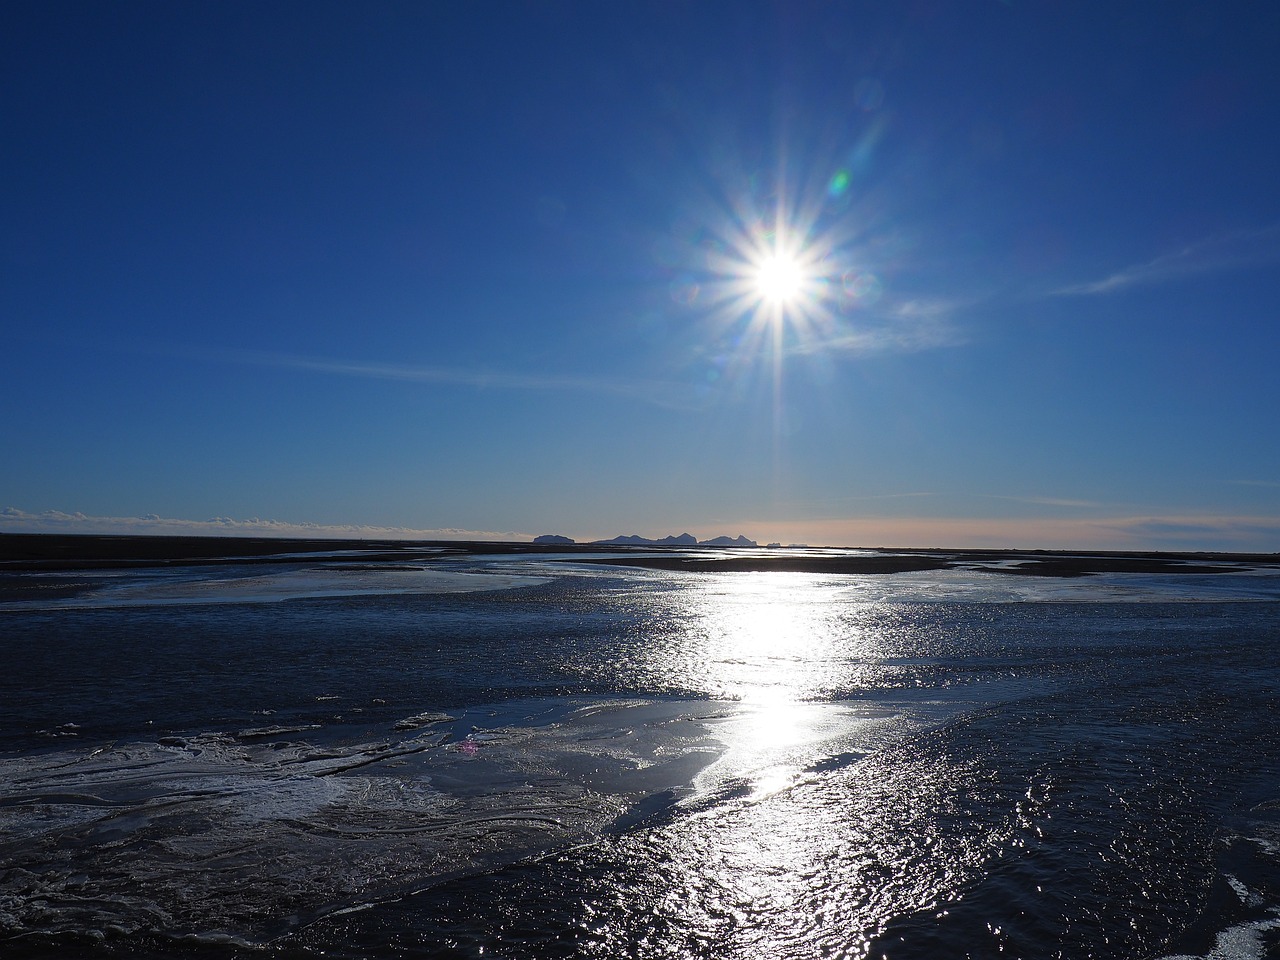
(291,749)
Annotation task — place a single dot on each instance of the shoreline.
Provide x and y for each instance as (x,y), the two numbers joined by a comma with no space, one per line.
(38,552)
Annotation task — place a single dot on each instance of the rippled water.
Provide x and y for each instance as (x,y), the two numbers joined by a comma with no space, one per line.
(525,758)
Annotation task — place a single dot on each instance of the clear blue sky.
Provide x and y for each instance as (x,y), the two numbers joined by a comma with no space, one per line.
(488,267)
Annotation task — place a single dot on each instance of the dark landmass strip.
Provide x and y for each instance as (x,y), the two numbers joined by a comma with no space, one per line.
(65,552)
(1080,566)
(54,551)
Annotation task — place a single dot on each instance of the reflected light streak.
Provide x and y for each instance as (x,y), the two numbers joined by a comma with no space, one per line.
(776,638)
(780,647)
(822,823)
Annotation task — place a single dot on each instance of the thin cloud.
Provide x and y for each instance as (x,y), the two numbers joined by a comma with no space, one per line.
(1234,251)
(1046,501)
(659,393)
(13,520)
(908,327)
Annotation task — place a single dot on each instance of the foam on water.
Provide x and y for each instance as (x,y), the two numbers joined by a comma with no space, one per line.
(1245,941)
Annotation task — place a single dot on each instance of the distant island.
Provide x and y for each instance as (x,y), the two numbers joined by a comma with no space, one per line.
(738,541)
(635,540)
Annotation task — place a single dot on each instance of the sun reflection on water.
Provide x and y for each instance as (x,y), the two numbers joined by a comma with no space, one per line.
(766,639)
(822,822)
(823,866)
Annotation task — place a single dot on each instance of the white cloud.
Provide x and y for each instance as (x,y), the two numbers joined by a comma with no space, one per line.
(1233,251)
(13,520)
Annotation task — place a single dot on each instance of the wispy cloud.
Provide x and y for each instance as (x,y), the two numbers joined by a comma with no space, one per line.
(1045,501)
(657,392)
(1270,484)
(1233,251)
(13,520)
(906,327)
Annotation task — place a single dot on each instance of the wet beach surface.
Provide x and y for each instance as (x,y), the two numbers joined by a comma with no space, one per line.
(442,750)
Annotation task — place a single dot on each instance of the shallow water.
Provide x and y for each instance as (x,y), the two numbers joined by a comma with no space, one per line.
(536,758)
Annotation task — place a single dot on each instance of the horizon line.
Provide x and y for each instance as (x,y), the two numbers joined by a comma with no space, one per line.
(1200,532)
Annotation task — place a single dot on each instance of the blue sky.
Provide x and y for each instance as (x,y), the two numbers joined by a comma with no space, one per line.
(489,269)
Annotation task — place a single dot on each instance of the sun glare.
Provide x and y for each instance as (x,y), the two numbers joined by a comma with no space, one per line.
(780,278)
(774,286)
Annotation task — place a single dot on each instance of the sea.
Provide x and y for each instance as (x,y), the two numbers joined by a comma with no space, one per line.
(529,756)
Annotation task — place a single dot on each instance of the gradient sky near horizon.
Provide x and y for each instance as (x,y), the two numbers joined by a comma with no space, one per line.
(487,268)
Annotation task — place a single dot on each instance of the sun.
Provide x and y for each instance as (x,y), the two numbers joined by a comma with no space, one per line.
(769,284)
(780,278)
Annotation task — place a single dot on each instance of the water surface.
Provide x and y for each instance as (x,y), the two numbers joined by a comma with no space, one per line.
(516,756)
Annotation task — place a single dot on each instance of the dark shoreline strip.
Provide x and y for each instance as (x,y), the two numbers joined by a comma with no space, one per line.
(68,552)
